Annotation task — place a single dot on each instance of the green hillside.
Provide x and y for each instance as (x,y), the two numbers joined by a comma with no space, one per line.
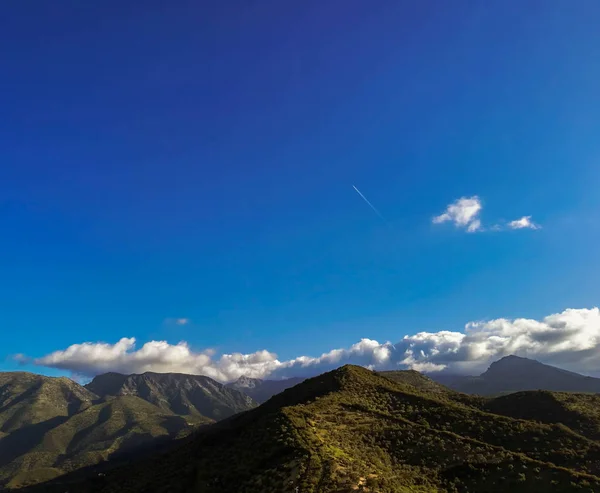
(51,426)
(27,399)
(580,412)
(355,430)
(416,379)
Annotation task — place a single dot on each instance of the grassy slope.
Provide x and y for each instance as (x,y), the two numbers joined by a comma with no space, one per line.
(352,429)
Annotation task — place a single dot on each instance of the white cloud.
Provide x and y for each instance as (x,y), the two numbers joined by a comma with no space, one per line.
(474,226)
(463,213)
(570,339)
(523,223)
(182,321)
(158,356)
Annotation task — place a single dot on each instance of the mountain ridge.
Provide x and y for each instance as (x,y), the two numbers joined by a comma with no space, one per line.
(342,430)
(176,392)
(53,425)
(353,429)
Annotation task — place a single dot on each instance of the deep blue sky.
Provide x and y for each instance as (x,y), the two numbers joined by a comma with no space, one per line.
(196,159)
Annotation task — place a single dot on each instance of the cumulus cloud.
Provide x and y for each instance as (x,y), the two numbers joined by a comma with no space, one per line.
(523,223)
(463,213)
(570,339)
(92,358)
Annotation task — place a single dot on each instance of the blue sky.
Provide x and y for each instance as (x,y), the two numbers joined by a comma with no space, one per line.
(196,160)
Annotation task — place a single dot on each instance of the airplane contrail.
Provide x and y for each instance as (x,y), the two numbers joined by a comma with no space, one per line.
(369,203)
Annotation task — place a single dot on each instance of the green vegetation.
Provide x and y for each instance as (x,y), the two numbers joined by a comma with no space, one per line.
(355,430)
(416,379)
(580,412)
(51,426)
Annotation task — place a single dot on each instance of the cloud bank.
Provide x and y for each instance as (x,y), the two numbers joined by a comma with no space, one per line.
(570,339)
(464,214)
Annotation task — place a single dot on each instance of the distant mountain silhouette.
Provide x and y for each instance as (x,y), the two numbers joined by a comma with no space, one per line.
(514,374)
(262,390)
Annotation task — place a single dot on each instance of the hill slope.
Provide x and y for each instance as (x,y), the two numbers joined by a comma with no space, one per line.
(174,392)
(352,429)
(27,399)
(50,426)
(262,390)
(513,374)
(580,412)
(416,379)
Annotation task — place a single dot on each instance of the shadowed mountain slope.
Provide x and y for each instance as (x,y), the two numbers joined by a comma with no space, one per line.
(580,412)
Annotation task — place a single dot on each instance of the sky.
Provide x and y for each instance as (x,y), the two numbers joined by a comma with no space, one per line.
(273,188)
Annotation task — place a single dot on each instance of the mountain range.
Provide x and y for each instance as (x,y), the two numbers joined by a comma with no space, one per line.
(514,374)
(347,430)
(352,429)
(50,426)
(175,393)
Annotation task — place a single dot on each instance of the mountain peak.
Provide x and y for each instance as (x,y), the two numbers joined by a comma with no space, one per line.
(513,357)
(247,382)
(511,364)
(516,365)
